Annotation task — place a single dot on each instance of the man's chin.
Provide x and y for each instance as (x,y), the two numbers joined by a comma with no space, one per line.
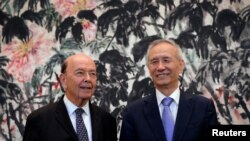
(85,95)
(164,80)
(161,83)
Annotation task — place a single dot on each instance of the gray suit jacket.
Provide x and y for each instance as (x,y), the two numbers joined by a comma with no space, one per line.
(52,123)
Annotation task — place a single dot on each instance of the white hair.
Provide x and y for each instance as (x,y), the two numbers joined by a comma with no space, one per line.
(168,41)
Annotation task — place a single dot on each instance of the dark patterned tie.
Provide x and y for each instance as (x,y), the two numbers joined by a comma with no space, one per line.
(167,119)
(80,126)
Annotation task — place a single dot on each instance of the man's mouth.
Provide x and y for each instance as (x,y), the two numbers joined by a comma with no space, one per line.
(162,75)
(85,87)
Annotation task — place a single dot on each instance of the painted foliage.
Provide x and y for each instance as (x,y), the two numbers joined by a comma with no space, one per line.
(37,35)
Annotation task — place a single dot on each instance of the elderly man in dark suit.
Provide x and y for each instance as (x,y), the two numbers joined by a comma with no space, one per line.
(59,121)
(189,115)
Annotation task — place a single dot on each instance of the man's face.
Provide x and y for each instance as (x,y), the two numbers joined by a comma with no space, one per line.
(164,66)
(79,80)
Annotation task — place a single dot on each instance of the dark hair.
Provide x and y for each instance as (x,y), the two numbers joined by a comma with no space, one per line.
(64,66)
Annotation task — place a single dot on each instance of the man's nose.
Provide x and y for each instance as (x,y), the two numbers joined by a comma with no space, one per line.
(160,65)
(87,76)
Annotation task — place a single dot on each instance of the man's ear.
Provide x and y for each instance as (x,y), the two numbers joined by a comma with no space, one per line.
(63,81)
(182,66)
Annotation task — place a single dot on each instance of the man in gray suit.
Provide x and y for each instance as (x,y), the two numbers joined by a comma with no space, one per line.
(57,121)
(192,115)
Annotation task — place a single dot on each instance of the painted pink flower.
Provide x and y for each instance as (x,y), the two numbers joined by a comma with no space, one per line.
(26,57)
(231,101)
(13,128)
(72,7)
(89,30)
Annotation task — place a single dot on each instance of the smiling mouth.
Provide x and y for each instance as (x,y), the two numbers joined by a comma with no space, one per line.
(85,88)
(162,75)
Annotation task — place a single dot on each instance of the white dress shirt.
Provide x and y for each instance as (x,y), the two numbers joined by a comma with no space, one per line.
(86,116)
(173,106)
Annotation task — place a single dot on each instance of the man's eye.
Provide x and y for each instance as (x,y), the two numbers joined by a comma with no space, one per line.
(92,73)
(84,74)
(154,62)
(80,72)
(166,61)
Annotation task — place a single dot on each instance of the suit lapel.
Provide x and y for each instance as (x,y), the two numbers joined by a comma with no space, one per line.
(183,115)
(152,115)
(63,118)
(95,121)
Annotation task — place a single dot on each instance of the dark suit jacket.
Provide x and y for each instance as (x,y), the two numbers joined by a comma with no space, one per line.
(52,123)
(142,120)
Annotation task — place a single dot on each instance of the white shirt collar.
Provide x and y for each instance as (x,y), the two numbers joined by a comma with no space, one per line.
(175,95)
(72,107)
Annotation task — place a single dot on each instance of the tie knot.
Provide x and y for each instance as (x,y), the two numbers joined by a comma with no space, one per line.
(79,111)
(167,101)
